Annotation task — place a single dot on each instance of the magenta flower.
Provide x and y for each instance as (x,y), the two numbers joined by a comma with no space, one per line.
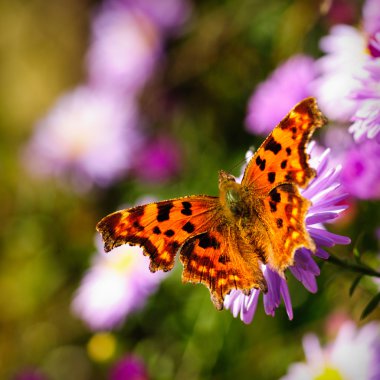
(117,284)
(129,368)
(158,161)
(326,197)
(124,49)
(88,136)
(361,170)
(353,355)
(272,99)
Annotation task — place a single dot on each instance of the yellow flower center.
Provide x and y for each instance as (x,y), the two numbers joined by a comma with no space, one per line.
(330,374)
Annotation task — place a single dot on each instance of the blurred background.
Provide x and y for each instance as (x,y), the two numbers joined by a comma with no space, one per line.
(108,104)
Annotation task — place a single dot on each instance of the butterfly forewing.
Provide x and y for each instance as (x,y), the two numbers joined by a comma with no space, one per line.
(160,228)
(282,157)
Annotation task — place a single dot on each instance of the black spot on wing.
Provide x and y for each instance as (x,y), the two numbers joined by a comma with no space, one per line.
(275,196)
(207,241)
(223,259)
(279,222)
(283,164)
(164,211)
(260,163)
(169,233)
(156,230)
(189,227)
(271,177)
(272,145)
(288,151)
(273,206)
(186,208)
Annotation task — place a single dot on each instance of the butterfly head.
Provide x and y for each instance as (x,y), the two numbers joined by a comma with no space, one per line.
(225,179)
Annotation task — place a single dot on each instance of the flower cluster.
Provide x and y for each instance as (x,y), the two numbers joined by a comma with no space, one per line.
(326,196)
(355,354)
(346,83)
(92,132)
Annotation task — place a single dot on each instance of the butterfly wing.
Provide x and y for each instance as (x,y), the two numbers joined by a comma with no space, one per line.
(284,218)
(159,228)
(282,157)
(222,261)
(212,251)
(273,174)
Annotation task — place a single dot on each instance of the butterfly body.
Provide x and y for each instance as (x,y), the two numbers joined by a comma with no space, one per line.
(224,241)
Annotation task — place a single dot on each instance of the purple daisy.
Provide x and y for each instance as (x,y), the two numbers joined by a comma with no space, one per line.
(339,71)
(326,196)
(367,117)
(116,285)
(287,85)
(353,355)
(88,136)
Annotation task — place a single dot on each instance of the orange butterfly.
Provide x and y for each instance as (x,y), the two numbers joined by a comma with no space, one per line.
(222,240)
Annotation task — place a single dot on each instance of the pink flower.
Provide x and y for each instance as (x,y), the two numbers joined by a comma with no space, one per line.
(272,99)
(124,50)
(117,284)
(87,137)
(353,355)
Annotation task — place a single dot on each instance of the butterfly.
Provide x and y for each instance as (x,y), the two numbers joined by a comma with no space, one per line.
(222,241)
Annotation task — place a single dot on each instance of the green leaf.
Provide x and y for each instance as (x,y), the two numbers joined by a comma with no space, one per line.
(354,284)
(371,306)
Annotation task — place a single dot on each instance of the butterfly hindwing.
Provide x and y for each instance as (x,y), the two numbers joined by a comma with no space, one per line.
(282,157)
(160,228)
(284,216)
(215,258)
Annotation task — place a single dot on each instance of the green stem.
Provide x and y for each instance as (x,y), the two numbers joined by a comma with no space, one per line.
(359,268)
